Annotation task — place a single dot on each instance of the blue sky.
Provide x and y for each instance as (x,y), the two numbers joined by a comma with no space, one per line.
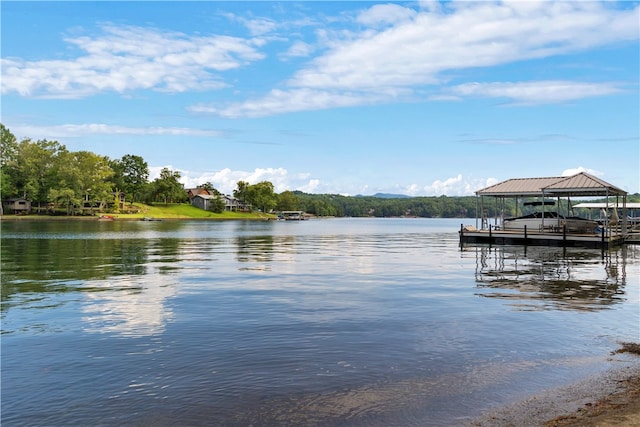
(418,98)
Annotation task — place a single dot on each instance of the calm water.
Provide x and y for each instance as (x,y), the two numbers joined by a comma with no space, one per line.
(363,322)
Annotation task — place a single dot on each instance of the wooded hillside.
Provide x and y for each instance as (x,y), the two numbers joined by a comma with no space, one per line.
(53,178)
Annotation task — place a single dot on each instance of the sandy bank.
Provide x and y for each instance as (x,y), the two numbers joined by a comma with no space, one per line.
(608,399)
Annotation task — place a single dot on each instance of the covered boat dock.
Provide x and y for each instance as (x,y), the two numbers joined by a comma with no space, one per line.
(547,226)
(292,215)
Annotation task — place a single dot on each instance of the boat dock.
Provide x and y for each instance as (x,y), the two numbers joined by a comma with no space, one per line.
(550,227)
(469,234)
(292,215)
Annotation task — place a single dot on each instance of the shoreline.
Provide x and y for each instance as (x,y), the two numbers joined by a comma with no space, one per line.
(119,218)
(610,398)
(620,408)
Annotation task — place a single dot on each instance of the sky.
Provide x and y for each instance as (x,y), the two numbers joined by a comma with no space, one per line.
(421,98)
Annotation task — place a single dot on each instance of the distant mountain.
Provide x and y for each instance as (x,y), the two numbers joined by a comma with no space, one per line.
(388,196)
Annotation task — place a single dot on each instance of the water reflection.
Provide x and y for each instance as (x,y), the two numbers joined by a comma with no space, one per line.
(257,249)
(165,253)
(137,308)
(117,276)
(548,278)
(58,266)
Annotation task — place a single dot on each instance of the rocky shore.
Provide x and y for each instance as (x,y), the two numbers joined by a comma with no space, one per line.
(608,399)
(621,408)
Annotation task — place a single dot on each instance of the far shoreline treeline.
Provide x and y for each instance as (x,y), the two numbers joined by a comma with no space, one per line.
(56,181)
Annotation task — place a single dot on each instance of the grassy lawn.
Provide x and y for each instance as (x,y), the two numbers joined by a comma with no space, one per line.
(184,211)
(160,211)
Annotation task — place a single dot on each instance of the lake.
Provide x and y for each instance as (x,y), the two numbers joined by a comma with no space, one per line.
(333,322)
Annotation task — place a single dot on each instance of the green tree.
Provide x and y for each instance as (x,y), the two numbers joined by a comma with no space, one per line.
(168,188)
(288,201)
(133,174)
(8,146)
(242,192)
(37,167)
(212,190)
(93,177)
(8,156)
(216,204)
(86,174)
(262,196)
(65,197)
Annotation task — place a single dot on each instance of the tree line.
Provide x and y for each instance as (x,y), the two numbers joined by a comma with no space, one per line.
(54,178)
(371,206)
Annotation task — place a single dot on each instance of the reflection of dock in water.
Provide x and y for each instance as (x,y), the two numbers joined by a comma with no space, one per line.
(543,278)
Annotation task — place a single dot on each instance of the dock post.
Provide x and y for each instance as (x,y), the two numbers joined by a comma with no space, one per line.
(525,233)
(489,232)
(564,234)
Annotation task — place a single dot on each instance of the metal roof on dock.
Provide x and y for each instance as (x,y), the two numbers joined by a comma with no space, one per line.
(580,184)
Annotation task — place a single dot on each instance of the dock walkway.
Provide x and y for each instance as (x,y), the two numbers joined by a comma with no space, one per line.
(470,234)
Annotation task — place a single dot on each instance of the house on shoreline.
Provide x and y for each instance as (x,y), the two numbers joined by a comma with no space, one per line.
(201,198)
(16,205)
(24,206)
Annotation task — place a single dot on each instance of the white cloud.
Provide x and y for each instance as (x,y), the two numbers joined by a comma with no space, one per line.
(127,58)
(430,5)
(260,26)
(459,185)
(256,26)
(283,101)
(298,49)
(420,47)
(438,187)
(311,186)
(226,180)
(573,171)
(414,47)
(385,14)
(476,34)
(540,92)
(74,130)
